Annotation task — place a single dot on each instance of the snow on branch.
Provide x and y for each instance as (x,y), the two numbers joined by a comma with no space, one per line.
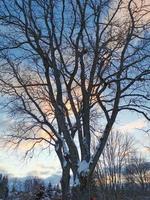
(83,167)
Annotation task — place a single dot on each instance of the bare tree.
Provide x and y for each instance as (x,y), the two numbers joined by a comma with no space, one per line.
(110,167)
(67,69)
(138,172)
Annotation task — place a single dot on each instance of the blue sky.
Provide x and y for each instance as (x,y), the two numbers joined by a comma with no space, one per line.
(46,164)
(42,165)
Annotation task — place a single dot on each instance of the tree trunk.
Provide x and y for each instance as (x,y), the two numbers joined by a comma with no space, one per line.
(65,183)
(79,193)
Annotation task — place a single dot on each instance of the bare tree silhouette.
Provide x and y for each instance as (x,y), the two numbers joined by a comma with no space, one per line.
(67,69)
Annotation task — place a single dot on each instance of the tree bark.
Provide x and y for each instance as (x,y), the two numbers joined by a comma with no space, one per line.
(81,192)
(65,183)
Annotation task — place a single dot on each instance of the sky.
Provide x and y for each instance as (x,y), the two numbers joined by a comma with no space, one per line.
(13,162)
(46,164)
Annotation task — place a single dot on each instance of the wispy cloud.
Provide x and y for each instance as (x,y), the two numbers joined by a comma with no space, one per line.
(145,150)
(132,126)
(44,171)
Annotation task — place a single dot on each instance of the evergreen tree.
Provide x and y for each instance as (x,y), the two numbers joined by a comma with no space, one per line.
(38,189)
(3,187)
(49,190)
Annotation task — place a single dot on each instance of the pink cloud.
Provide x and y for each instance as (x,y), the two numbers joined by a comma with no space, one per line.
(130,127)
